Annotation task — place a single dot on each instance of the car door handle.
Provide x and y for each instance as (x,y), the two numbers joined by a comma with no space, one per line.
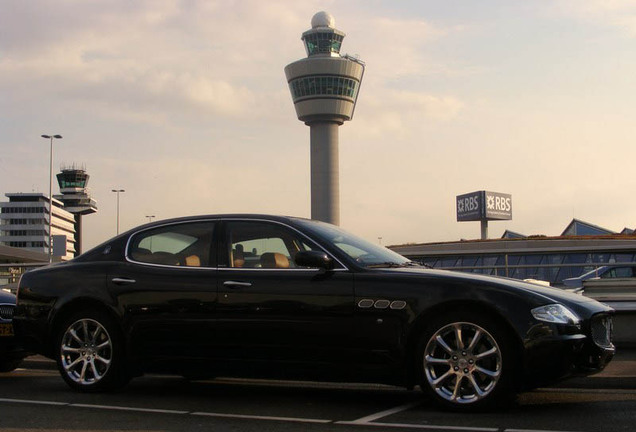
(237,284)
(123,281)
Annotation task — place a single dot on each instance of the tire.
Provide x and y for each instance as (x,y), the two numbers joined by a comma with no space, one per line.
(466,362)
(9,365)
(90,353)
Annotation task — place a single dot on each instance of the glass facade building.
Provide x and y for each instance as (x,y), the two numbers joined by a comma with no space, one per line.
(550,259)
(551,267)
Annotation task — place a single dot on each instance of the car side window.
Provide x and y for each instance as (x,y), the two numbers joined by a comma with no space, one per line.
(186,244)
(263,245)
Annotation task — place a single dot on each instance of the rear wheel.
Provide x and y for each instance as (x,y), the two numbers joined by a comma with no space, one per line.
(466,362)
(90,353)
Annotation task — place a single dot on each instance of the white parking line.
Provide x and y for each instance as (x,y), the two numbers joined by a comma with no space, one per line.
(587,390)
(530,430)
(381,414)
(364,421)
(164,411)
(255,417)
(33,402)
(424,427)
(121,408)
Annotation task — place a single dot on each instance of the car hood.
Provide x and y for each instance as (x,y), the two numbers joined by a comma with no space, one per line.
(6,297)
(550,294)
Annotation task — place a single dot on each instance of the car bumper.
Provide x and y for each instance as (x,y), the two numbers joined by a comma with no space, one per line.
(555,357)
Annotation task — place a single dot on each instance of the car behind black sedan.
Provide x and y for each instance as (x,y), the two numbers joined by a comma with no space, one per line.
(266,296)
(11,353)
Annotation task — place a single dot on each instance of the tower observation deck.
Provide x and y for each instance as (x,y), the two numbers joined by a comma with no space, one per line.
(324,87)
(76,198)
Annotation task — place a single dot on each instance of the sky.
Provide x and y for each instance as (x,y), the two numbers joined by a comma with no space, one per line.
(184,104)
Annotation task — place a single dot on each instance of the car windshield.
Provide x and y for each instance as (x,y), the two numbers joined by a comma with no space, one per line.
(362,251)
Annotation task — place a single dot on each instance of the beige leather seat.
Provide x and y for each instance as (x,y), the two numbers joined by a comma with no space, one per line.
(274,260)
(193,261)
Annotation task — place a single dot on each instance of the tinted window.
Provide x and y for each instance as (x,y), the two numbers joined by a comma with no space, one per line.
(264,245)
(187,244)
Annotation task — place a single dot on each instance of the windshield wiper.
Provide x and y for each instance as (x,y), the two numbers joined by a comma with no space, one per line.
(388,264)
(391,264)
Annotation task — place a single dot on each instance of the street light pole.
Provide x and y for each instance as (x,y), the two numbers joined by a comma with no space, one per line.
(51,137)
(117,191)
(150,217)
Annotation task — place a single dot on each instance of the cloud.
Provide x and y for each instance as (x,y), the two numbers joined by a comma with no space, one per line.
(161,57)
(613,13)
(402,114)
(397,48)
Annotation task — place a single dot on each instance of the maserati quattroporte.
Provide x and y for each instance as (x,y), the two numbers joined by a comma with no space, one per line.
(284,297)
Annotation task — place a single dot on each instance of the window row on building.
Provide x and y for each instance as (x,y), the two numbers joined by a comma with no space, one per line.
(23,221)
(327,85)
(551,267)
(23,244)
(23,233)
(24,210)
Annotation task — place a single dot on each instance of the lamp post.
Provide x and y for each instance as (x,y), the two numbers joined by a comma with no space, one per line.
(150,217)
(51,138)
(117,191)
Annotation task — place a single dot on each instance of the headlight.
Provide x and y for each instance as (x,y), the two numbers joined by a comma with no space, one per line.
(555,313)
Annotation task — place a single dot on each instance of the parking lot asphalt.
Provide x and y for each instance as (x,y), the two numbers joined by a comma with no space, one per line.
(619,374)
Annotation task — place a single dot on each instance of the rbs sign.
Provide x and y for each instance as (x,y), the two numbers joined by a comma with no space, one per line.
(484,205)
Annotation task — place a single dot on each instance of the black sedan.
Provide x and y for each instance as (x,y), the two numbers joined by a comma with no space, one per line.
(283,297)
(11,353)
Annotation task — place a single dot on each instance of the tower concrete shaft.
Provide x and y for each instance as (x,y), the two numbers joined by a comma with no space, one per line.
(325,172)
(324,87)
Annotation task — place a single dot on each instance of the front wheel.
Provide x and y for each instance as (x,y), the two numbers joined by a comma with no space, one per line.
(466,362)
(90,353)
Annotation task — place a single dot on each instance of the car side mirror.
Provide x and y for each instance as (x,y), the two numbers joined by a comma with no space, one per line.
(316,259)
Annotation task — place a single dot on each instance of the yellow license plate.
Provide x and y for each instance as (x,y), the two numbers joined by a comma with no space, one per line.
(6,329)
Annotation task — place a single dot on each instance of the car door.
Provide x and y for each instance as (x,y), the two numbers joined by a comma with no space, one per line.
(272,311)
(167,288)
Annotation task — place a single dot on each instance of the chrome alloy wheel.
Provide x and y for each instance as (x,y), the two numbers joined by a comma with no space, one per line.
(462,363)
(86,351)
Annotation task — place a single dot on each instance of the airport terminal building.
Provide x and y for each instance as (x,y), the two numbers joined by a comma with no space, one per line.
(581,247)
(24,222)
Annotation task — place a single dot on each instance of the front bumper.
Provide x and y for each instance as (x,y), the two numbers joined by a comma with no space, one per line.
(555,353)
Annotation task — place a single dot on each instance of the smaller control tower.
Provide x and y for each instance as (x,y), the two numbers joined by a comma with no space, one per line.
(76,198)
(324,87)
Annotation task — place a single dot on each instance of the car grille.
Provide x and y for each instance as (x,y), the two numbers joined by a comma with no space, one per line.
(6,311)
(602,328)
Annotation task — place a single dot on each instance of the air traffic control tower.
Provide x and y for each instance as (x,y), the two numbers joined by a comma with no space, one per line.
(76,198)
(324,87)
